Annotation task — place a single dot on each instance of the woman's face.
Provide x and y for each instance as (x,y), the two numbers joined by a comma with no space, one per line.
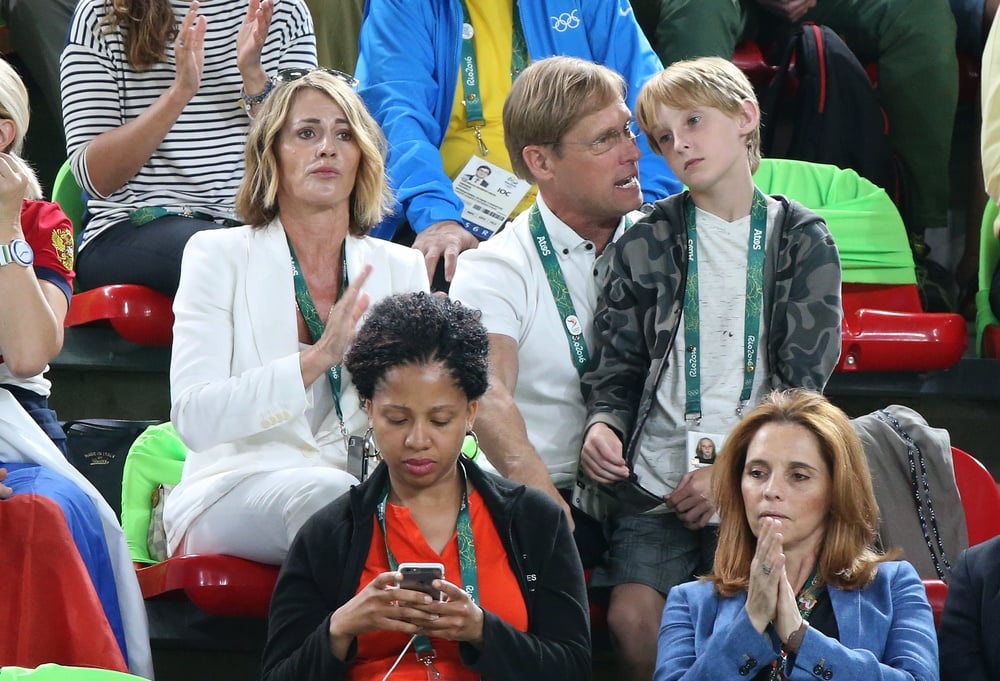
(318,157)
(420,417)
(786,478)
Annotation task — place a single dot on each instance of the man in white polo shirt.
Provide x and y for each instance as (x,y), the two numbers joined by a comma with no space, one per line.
(568,130)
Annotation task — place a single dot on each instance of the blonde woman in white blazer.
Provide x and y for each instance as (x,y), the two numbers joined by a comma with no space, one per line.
(251,394)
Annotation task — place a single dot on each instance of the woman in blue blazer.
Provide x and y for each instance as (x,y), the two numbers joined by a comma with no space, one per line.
(797,591)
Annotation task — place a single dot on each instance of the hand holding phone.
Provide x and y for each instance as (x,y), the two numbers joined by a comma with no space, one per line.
(419,577)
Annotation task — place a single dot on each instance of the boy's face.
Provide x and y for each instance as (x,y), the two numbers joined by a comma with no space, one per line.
(705,147)
(584,186)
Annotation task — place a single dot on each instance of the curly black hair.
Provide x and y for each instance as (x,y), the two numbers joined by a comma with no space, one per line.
(419,328)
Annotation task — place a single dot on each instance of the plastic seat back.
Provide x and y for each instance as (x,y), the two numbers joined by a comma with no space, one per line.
(937,592)
(67,193)
(884,329)
(980,496)
(137,313)
(216,584)
(987,324)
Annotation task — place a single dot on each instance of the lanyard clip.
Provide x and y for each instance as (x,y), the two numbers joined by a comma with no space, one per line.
(427,659)
(477,131)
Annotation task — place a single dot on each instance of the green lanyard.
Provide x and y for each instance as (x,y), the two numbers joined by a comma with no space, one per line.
(466,561)
(474,117)
(754,303)
(806,601)
(578,351)
(315,324)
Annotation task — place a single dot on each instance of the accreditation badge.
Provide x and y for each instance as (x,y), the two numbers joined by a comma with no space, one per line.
(702,450)
(490,194)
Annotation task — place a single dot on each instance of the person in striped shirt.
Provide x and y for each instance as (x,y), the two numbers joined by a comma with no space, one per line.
(157,96)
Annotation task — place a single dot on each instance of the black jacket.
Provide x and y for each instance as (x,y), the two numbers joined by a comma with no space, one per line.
(326,559)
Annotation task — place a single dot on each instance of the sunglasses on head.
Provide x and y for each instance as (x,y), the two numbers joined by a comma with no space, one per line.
(290,74)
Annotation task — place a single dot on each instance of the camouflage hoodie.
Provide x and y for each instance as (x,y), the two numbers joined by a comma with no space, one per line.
(639,312)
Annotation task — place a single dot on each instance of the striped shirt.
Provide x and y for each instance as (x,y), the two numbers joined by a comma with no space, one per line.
(199,165)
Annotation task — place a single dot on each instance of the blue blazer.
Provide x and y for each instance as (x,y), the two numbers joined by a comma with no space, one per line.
(970,646)
(886,632)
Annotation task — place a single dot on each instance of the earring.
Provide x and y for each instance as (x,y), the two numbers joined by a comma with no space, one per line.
(370,447)
(475,440)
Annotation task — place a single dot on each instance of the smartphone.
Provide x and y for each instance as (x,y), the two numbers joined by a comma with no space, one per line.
(418,577)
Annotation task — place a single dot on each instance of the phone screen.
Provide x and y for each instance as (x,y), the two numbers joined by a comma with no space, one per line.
(418,577)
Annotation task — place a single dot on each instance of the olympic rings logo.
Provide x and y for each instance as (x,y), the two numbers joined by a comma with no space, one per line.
(565,21)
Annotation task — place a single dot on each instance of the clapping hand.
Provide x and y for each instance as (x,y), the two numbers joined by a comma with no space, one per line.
(13,185)
(250,44)
(189,51)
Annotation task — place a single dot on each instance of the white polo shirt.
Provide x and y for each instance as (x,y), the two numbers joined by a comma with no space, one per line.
(504,278)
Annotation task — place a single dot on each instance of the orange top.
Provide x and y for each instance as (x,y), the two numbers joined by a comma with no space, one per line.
(499,593)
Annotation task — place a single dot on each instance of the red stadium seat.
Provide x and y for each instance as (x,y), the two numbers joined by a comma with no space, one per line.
(980,496)
(937,591)
(218,585)
(885,329)
(136,313)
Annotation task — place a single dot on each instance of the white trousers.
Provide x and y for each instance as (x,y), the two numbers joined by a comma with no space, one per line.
(259,517)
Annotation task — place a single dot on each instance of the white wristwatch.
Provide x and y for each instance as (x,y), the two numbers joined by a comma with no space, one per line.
(18,251)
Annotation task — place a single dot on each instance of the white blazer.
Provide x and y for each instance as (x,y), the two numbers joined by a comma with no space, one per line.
(237,398)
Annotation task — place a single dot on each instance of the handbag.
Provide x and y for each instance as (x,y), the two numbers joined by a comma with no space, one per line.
(98,447)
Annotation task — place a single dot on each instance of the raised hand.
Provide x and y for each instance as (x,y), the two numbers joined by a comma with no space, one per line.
(767,572)
(343,318)
(250,43)
(13,185)
(189,51)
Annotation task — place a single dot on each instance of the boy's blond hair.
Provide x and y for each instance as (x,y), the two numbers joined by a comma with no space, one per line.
(708,81)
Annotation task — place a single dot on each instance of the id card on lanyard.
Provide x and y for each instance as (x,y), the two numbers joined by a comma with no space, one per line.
(466,560)
(756,248)
(489,193)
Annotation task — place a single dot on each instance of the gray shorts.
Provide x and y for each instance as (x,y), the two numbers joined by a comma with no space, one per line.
(655,549)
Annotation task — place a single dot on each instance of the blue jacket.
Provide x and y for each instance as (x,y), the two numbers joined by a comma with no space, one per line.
(886,633)
(408,67)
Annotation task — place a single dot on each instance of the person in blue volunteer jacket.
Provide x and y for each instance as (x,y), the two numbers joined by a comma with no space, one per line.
(410,55)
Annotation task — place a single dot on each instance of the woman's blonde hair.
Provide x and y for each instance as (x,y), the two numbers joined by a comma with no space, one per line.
(146,27)
(14,107)
(847,558)
(708,81)
(257,198)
